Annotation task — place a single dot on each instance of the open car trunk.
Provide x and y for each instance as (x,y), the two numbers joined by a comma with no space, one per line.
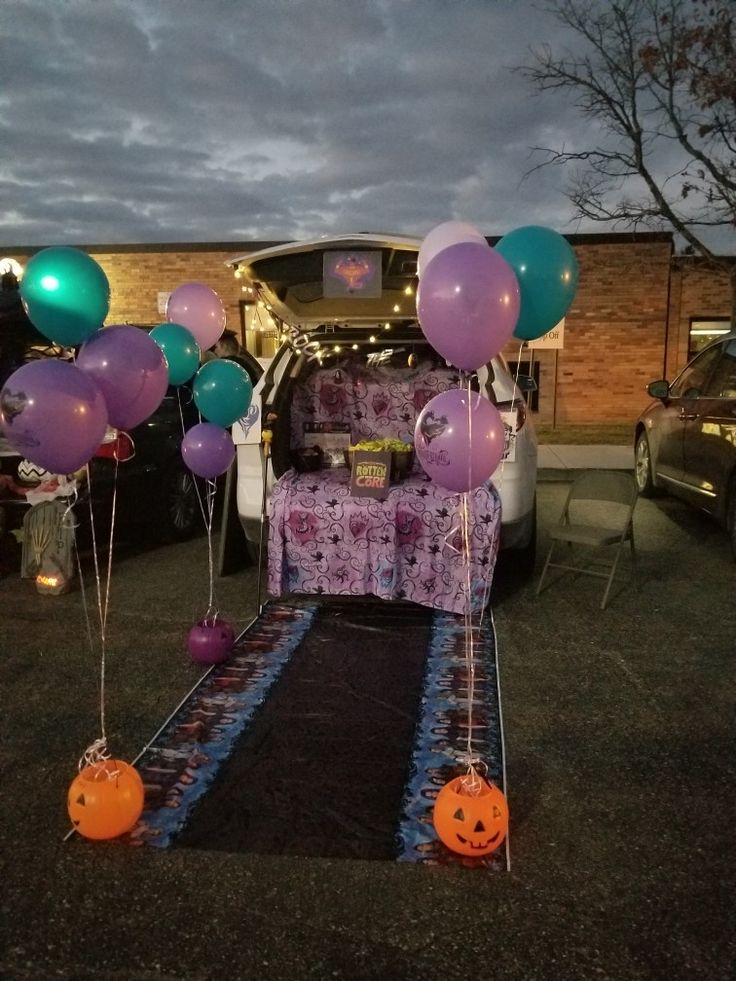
(326,538)
(354,367)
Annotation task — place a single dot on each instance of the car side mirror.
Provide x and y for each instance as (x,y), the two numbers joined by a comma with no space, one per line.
(659,389)
(526,383)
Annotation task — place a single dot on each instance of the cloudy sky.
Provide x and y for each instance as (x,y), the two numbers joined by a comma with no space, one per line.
(131,121)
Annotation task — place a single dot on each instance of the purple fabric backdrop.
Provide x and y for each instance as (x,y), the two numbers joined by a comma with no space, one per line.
(322,540)
(376,401)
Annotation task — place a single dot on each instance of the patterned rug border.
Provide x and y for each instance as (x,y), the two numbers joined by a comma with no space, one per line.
(180,764)
(441,734)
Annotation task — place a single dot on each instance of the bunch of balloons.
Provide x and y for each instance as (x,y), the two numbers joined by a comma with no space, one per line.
(472,299)
(54,412)
(222,389)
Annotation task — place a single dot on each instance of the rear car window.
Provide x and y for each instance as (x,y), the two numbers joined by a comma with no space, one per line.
(691,383)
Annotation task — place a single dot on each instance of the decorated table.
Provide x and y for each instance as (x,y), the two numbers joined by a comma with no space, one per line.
(408,546)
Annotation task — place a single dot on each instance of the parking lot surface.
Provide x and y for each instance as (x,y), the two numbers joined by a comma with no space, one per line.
(620,765)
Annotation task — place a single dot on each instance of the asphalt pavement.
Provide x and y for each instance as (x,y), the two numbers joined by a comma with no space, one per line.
(619,750)
(561,461)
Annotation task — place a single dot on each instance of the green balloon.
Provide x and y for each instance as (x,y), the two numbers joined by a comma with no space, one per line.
(547,271)
(65,294)
(180,350)
(222,391)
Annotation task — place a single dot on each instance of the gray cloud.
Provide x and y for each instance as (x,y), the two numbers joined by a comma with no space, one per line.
(213,120)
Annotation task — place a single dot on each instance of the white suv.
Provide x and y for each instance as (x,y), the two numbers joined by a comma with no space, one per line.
(350,300)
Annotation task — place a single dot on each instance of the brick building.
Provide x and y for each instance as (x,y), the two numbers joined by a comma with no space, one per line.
(638,314)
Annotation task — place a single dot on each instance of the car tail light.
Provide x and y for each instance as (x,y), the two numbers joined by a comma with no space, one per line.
(116,446)
(518,405)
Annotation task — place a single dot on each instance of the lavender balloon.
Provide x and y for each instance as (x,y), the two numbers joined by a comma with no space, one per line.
(207,449)
(468,304)
(130,370)
(459,441)
(53,414)
(442,237)
(199,309)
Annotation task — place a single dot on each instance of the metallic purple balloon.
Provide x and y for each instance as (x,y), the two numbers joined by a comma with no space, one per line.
(459,448)
(130,370)
(468,303)
(53,414)
(207,449)
(199,309)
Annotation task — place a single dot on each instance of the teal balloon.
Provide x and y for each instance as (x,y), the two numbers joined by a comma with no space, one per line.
(65,294)
(222,391)
(180,349)
(547,271)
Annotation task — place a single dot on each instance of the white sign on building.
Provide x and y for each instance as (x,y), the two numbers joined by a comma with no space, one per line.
(554,338)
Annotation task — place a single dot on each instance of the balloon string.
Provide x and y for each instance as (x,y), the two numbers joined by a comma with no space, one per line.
(206,508)
(97,751)
(211,490)
(468,624)
(472,783)
(468,612)
(196,485)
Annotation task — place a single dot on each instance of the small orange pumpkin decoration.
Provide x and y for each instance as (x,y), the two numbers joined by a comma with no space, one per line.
(471,816)
(105,799)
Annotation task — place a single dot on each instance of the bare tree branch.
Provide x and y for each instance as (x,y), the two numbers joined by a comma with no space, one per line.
(657,77)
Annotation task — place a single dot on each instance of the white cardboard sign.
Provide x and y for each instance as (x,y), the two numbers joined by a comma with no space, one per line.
(554,338)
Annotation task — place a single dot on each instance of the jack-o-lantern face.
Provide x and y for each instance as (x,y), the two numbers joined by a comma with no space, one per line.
(105,800)
(471,823)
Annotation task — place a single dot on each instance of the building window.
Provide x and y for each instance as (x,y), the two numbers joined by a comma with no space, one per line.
(702,332)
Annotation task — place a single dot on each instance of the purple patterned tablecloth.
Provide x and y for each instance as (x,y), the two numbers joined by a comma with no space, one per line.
(408,547)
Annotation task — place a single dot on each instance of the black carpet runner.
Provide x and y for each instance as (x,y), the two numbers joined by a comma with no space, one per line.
(322,769)
(328,732)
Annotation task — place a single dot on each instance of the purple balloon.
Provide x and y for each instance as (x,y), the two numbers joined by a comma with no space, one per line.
(199,309)
(130,370)
(459,441)
(53,414)
(468,304)
(207,449)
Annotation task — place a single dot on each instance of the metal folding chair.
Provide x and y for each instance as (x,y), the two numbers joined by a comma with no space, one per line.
(598,515)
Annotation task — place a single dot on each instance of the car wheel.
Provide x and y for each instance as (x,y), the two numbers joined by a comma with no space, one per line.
(643,467)
(179,510)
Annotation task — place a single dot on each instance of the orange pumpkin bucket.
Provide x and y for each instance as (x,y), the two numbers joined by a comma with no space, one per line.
(105,800)
(471,816)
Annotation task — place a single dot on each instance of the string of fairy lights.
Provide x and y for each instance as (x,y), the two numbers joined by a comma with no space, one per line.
(267,322)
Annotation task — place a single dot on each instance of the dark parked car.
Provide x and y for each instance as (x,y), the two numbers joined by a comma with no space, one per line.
(685,441)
